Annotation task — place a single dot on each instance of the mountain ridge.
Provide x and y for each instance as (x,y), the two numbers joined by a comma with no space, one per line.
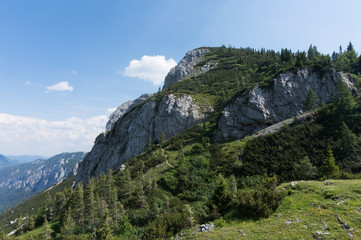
(24,180)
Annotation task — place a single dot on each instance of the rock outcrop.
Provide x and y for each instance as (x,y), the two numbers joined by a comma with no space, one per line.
(130,135)
(122,109)
(187,66)
(264,107)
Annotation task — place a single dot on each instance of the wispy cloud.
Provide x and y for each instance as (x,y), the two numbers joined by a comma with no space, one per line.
(150,68)
(74,72)
(25,135)
(61,86)
(28,82)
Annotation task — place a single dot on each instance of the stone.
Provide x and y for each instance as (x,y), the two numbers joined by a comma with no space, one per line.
(206,227)
(263,107)
(187,66)
(122,109)
(130,135)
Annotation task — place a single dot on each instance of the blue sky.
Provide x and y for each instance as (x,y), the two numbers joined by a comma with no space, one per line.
(65,64)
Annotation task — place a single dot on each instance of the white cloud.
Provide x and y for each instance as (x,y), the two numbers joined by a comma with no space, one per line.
(74,72)
(28,82)
(61,86)
(150,68)
(25,135)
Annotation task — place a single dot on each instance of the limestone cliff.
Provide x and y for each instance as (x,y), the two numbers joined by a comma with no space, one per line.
(130,135)
(122,109)
(187,66)
(263,107)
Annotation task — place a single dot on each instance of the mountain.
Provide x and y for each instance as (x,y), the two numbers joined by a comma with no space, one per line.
(4,161)
(25,158)
(25,180)
(234,137)
(172,111)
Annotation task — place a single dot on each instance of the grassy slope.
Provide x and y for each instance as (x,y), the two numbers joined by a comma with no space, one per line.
(311,207)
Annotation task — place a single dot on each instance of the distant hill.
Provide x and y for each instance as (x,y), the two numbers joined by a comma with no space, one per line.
(20,182)
(4,161)
(25,158)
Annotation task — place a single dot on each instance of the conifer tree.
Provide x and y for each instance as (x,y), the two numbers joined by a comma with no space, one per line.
(19,225)
(2,235)
(90,205)
(304,169)
(311,101)
(46,234)
(104,232)
(126,184)
(188,213)
(155,210)
(49,203)
(329,166)
(141,199)
(30,223)
(68,225)
(77,205)
(221,195)
(233,185)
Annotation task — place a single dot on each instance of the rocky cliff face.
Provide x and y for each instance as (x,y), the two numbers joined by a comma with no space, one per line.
(286,99)
(122,109)
(25,180)
(187,66)
(130,135)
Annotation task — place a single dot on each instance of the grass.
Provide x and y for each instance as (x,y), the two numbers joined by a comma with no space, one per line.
(309,209)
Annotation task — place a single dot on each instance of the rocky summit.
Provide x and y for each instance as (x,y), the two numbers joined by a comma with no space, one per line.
(122,109)
(187,67)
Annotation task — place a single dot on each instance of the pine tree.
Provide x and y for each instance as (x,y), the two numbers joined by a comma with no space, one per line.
(233,185)
(77,205)
(19,225)
(329,166)
(126,184)
(221,195)
(311,101)
(90,205)
(349,141)
(30,223)
(155,210)
(189,215)
(304,169)
(104,232)
(49,203)
(46,234)
(2,235)
(141,199)
(344,101)
(68,225)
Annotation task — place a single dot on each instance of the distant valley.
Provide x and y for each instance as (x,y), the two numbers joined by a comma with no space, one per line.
(24,180)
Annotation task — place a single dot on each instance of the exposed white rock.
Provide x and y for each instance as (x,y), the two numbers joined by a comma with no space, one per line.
(266,106)
(130,136)
(122,109)
(186,67)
